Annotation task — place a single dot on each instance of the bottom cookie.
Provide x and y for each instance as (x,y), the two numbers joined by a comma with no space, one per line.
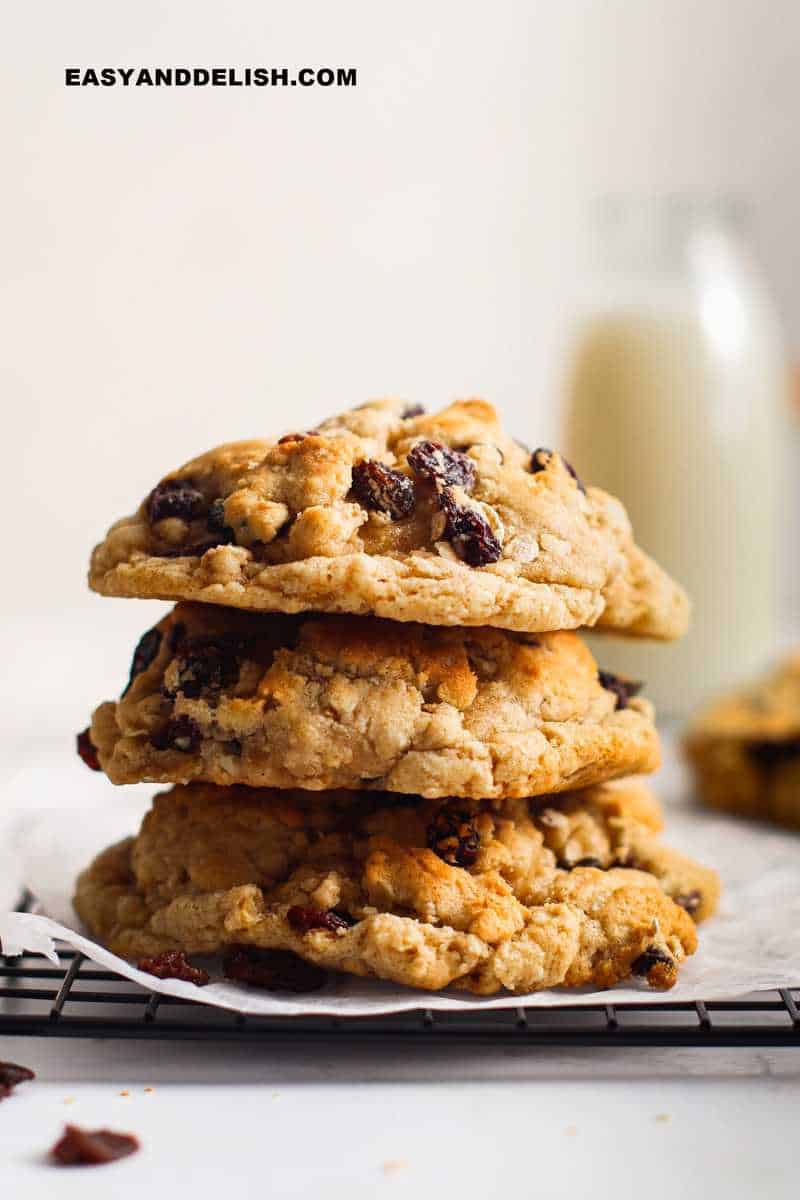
(521,895)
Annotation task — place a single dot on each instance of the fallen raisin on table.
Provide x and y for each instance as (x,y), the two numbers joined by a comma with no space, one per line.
(181,733)
(453,836)
(208,664)
(274,970)
(175,498)
(441,465)
(541,458)
(88,751)
(468,532)
(84,1147)
(659,968)
(690,901)
(10,1075)
(623,689)
(173,964)
(380,488)
(146,650)
(305,919)
(412,410)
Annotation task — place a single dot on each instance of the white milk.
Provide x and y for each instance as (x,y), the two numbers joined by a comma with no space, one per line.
(674,404)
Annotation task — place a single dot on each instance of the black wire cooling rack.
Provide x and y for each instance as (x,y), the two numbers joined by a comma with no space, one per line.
(76,999)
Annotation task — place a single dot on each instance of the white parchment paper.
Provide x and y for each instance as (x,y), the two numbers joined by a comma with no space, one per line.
(752,944)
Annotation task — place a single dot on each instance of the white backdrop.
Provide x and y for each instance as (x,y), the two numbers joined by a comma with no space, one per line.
(187,266)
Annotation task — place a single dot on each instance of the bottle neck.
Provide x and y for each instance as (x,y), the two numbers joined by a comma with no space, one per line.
(657,235)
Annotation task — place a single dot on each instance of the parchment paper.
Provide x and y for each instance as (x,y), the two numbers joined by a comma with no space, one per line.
(752,944)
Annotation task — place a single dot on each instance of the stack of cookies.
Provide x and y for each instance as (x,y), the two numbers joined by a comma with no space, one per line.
(390,752)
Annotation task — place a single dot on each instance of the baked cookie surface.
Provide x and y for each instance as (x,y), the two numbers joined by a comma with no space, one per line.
(745,748)
(479,896)
(441,519)
(354,702)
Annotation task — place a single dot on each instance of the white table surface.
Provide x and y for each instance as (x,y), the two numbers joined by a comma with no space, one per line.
(278,1122)
(351,1124)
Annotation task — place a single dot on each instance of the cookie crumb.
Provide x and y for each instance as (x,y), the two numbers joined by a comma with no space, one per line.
(571,1130)
(148,1091)
(663,1118)
(124,1093)
(393,1166)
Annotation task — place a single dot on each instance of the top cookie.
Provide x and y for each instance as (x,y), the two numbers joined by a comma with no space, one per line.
(441,519)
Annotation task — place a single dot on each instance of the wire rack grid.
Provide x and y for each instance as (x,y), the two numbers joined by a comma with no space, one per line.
(77,999)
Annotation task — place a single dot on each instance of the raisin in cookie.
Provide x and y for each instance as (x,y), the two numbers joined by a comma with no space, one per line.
(745,748)
(321,702)
(441,519)
(424,894)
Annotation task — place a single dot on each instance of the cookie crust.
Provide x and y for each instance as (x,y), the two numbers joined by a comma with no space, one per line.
(294,534)
(326,702)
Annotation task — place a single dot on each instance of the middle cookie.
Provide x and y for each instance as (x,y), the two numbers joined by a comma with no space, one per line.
(230,697)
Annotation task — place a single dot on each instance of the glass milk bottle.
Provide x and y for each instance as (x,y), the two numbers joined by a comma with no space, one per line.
(675,403)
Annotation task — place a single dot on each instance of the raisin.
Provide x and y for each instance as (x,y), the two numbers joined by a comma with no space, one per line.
(275,970)
(86,1147)
(412,410)
(651,960)
(772,753)
(378,487)
(173,964)
(441,465)
(181,733)
(468,532)
(304,919)
(233,747)
(215,521)
(175,498)
(88,751)
(453,836)
(10,1075)
(623,689)
(207,664)
(690,901)
(146,650)
(540,460)
(293,437)
(176,636)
